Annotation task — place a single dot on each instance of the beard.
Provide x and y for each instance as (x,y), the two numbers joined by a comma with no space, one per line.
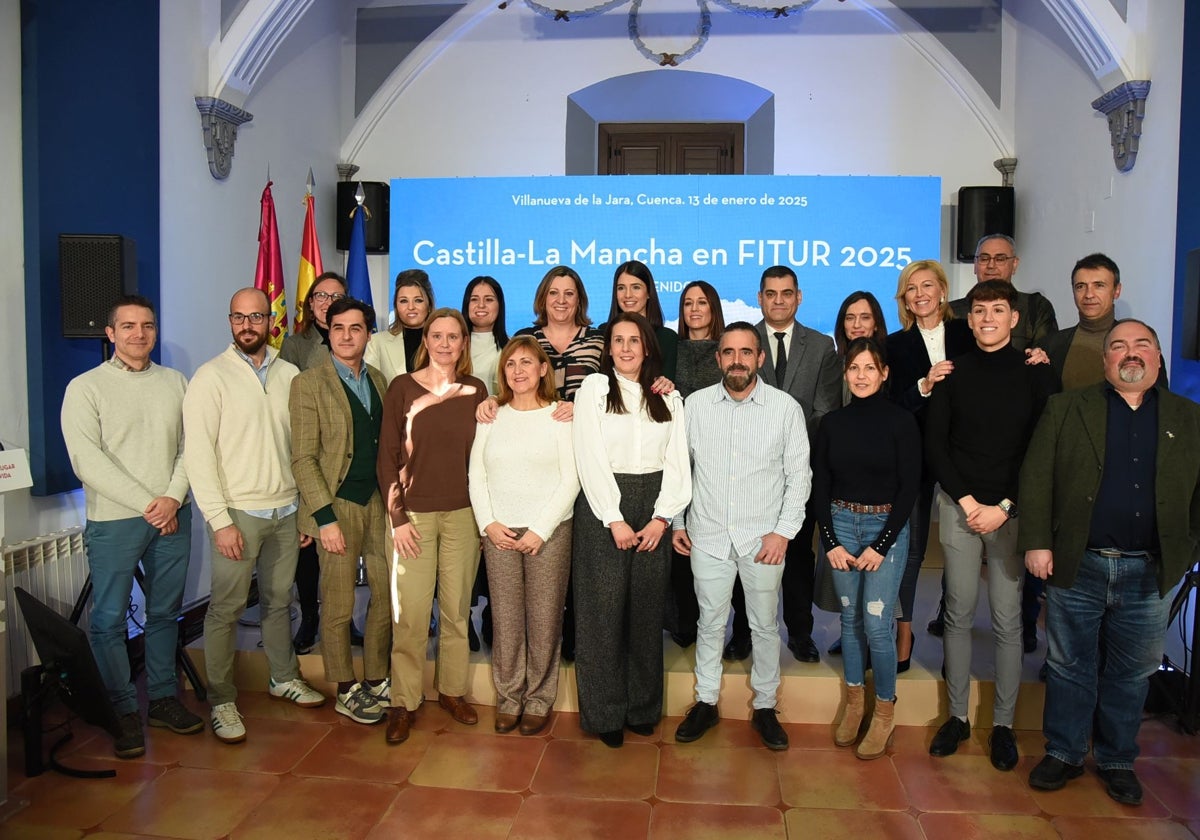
(738,377)
(1131,374)
(250,342)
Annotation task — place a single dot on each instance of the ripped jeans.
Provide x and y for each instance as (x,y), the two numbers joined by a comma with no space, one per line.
(868,600)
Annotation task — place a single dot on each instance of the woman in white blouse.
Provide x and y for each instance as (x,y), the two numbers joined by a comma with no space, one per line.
(394,350)
(631,450)
(523,486)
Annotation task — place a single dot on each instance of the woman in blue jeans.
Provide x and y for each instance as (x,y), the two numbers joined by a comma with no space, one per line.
(866,472)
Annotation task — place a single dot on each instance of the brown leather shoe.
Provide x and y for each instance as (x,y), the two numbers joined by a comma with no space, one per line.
(533,724)
(459,709)
(506,722)
(399,721)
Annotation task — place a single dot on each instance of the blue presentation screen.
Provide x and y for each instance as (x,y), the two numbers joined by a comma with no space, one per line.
(838,234)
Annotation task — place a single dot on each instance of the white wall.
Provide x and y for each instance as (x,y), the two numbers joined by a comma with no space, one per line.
(210,228)
(1066,167)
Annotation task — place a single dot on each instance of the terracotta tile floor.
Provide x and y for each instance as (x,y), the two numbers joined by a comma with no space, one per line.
(318,775)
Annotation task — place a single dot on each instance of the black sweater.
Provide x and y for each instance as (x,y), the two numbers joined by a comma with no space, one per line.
(867,452)
(980,420)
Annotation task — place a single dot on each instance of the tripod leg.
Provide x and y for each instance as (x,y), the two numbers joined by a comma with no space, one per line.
(84,594)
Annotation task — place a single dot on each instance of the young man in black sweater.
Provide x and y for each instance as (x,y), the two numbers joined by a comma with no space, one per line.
(979,424)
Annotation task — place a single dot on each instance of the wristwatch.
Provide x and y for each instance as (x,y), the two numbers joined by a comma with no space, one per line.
(1009,508)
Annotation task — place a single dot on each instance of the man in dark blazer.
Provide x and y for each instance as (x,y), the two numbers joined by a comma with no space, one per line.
(336,410)
(996,259)
(803,363)
(1110,515)
(1076,353)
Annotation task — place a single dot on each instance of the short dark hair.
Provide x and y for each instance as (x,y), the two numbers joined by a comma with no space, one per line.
(348,304)
(777,271)
(309,319)
(130,300)
(988,290)
(1098,260)
(745,326)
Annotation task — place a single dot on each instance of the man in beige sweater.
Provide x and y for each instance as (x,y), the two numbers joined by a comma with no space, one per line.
(238,455)
(123,427)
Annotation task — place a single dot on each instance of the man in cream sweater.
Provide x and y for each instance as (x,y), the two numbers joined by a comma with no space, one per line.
(123,427)
(238,456)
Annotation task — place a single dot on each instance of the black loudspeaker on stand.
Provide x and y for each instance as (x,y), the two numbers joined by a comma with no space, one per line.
(983,211)
(94,270)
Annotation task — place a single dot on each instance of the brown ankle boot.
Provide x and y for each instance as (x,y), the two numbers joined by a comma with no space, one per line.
(879,736)
(847,730)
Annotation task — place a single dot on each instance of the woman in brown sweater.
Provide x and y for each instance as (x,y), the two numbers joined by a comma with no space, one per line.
(424,448)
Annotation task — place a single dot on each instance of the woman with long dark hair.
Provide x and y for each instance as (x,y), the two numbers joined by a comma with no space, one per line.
(631,450)
(866,470)
(634,291)
(701,323)
(483,307)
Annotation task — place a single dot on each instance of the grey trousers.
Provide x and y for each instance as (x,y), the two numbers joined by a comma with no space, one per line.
(963,550)
(527,594)
(271,547)
(619,602)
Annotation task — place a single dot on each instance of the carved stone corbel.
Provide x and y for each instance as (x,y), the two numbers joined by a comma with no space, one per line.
(346,170)
(220,121)
(1007,167)
(1125,106)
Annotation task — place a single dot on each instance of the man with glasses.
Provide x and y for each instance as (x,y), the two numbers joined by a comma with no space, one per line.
(123,425)
(996,259)
(237,450)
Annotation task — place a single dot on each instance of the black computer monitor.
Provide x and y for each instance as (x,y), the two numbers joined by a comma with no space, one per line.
(68,661)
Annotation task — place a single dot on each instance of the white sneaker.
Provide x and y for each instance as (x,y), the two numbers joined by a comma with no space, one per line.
(298,691)
(359,705)
(382,692)
(227,723)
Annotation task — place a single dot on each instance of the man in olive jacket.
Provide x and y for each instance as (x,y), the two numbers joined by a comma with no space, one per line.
(1110,514)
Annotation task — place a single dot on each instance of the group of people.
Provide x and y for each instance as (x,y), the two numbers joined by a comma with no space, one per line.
(618,477)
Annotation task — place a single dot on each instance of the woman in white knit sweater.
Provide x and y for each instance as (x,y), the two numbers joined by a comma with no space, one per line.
(523,485)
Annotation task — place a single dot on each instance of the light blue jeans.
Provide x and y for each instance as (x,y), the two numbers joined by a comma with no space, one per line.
(868,600)
(114,548)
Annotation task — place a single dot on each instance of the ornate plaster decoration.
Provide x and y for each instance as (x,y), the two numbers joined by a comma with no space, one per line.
(1006,166)
(346,170)
(220,121)
(1125,107)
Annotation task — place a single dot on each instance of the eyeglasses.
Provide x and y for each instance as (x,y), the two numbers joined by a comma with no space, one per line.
(998,259)
(321,297)
(256,318)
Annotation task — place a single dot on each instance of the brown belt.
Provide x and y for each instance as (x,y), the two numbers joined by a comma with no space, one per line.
(855,507)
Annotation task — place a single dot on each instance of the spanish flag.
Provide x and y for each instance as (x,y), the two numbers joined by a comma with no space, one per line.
(268,275)
(310,258)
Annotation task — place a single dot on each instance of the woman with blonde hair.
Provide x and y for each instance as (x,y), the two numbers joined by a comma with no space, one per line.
(920,356)
(424,450)
(523,485)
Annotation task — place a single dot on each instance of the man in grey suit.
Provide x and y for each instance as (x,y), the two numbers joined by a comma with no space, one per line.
(803,363)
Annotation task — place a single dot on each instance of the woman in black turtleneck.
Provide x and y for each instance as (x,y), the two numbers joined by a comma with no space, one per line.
(866,471)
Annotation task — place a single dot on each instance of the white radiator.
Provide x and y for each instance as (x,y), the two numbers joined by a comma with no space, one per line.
(51,568)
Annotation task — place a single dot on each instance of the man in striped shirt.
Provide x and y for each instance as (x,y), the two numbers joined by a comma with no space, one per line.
(750,481)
